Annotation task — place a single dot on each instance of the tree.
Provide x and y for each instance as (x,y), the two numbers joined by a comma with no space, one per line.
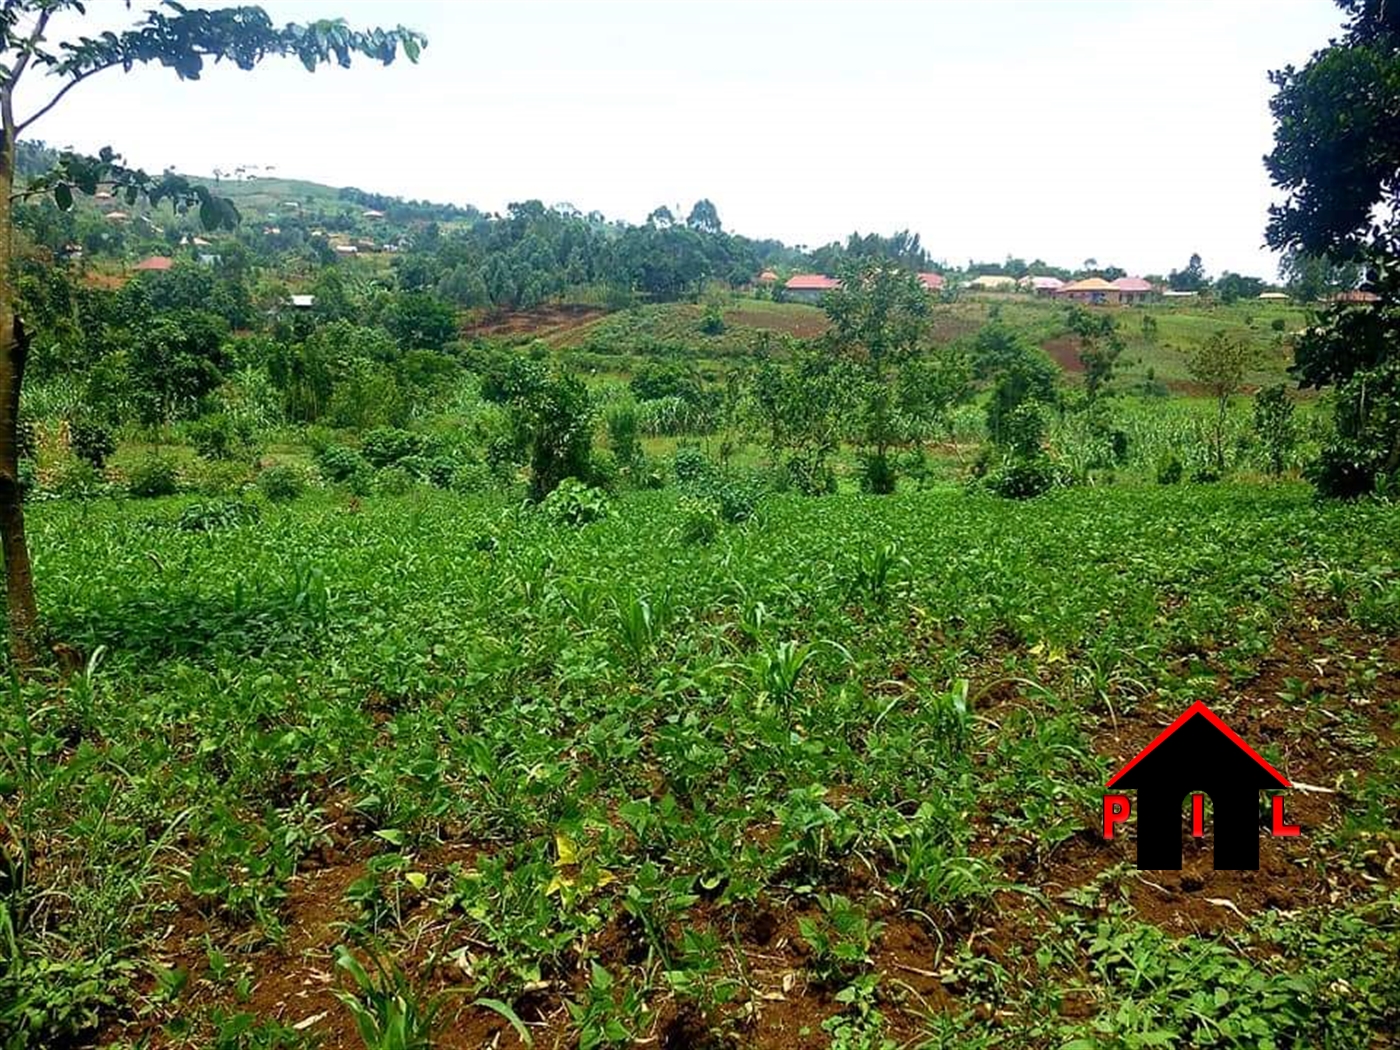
(182,41)
(878,316)
(1273,425)
(704,217)
(1099,347)
(1336,156)
(1310,278)
(1191,279)
(1219,364)
(1230,287)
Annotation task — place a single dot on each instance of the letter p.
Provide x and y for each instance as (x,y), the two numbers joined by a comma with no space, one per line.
(1115,811)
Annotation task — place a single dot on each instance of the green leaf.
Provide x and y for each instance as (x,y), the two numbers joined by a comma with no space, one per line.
(63,196)
(505,1010)
(210,215)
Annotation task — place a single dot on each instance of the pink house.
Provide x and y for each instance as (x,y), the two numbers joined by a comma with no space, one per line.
(932,282)
(1134,290)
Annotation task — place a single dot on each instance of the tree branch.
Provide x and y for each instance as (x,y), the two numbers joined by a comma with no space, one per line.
(7,97)
(77,79)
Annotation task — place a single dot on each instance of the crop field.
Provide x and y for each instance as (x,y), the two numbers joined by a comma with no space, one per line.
(831,780)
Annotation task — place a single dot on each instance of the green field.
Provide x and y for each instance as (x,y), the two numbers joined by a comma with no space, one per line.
(832,779)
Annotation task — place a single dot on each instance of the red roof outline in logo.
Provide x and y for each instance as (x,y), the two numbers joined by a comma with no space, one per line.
(1199,708)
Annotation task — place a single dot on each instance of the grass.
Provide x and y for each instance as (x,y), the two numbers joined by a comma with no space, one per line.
(828,780)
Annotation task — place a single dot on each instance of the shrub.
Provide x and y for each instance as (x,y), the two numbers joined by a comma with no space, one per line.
(282,483)
(690,465)
(603,471)
(621,419)
(712,322)
(77,478)
(91,441)
(1277,324)
(1273,423)
(1023,477)
(471,477)
(441,471)
(574,503)
(212,515)
(877,474)
(393,481)
(1169,469)
(28,478)
(702,519)
(808,473)
(337,464)
(219,477)
(387,446)
(219,437)
(151,477)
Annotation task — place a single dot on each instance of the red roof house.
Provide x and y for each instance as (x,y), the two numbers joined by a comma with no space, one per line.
(932,281)
(155,263)
(809,287)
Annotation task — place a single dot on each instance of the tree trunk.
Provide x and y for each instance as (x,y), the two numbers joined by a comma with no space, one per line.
(22,610)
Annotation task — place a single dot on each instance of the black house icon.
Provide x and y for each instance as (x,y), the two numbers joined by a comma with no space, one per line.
(1198,753)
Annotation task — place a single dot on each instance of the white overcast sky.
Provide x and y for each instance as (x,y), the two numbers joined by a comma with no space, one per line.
(1124,131)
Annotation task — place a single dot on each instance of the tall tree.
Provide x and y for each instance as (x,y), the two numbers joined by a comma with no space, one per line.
(183,40)
(1336,156)
(1191,279)
(704,217)
(878,316)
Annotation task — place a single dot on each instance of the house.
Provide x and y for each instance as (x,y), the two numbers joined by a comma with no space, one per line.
(809,287)
(1133,290)
(1198,753)
(1043,286)
(155,264)
(992,282)
(347,249)
(1094,290)
(1356,296)
(303,302)
(1172,293)
(102,195)
(1275,297)
(116,216)
(932,282)
(767,277)
(371,213)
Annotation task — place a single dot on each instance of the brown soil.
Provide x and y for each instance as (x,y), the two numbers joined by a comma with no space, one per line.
(1064,351)
(1324,736)
(544,322)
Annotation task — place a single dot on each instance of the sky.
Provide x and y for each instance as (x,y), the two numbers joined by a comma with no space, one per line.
(1130,133)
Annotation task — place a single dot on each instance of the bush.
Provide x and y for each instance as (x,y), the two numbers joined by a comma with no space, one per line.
(337,464)
(77,478)
(91,441)
(877,474)
(219,437)
(1277,324)
(1169,470)
(213,515)
(471,477)
(28,478)
(282,483)
(603,471)
(702,519)
(621,419)
(574,503)
(219,477)
(808,473)
(1023,477)
(387,446)
(393,481)
(151,477)
(690,465)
